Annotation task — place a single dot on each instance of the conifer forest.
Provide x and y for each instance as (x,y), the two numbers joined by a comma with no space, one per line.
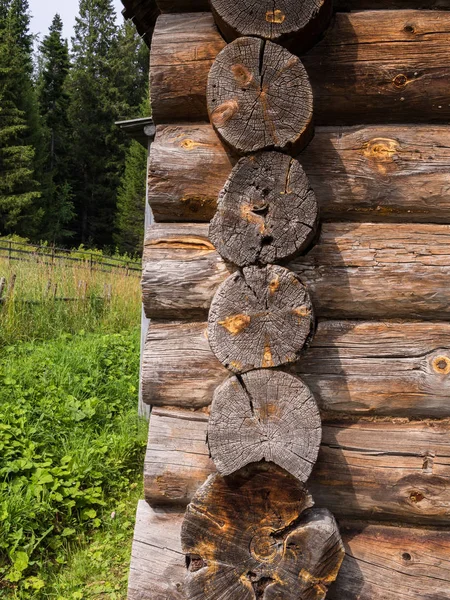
(68,174)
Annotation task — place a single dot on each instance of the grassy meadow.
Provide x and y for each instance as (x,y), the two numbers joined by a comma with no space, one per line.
(71,444)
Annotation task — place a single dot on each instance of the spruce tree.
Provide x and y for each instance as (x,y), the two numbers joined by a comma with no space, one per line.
(91,117)
(130,215)
(54,101)
(18,187)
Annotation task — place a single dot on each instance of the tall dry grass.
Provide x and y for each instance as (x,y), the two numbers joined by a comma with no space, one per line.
(94,300)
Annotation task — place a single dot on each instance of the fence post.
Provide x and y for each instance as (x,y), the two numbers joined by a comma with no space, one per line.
(92,262)
(12,283)
(9,251)
(2,287)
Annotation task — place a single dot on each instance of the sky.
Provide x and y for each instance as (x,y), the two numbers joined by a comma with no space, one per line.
(43,12)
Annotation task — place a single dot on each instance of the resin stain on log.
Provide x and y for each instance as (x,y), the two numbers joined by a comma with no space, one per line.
(255,531)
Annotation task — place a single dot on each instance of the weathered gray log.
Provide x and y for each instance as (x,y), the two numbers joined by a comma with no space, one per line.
(382,66)
(158,568)
(255,535)
(364,368)
(184,47)
(267,211)
(264,415)
(259,97)
(260,317)
(362,270)
(377,173)
(380,561)
(287,22)
(379,470)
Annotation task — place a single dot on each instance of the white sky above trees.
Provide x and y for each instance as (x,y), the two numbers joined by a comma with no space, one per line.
(43,12)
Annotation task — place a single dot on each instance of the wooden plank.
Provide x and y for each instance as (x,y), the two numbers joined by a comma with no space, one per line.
(375,173)
(364,368)
(355,271)
(372,67)
(381,561)
(372,470)
(184,47)
(158,567)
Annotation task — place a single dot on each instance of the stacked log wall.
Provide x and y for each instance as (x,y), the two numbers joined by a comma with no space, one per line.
(379,365)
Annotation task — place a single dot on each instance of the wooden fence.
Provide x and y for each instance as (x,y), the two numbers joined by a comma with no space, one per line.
(52,256)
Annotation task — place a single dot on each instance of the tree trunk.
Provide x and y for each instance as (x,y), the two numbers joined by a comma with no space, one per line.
(360,368)
(373,470)
(384,66)
(381,561)
(378,173)
(259,97)
(184,47)
(354,271)
(267,211)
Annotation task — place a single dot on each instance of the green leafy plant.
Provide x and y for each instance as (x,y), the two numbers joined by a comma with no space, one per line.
(71,446)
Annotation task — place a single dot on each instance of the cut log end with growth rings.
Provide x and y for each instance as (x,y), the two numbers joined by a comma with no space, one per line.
(267,211)
(288,22)
(254,536)
(265,415)
(259,96)
(259,318)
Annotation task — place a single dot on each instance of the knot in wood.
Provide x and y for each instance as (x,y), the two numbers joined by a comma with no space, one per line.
(259,96)
(267,211)
(441,364)
(260,317)
(400,81)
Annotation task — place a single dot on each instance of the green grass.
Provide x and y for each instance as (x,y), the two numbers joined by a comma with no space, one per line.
(71,453)
(32,313)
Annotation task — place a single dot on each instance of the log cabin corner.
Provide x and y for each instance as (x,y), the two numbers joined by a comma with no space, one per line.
(296,274)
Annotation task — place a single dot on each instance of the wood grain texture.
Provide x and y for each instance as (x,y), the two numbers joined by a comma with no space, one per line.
(382,66)
(256,535)
(290,23)
(188,167)
(365,271)
(267,211)
(394,471)
(158,568)
(381,562)
(264,415)
(371,67)
(259,96)
(352,367)
(260,318)
(184,47)
(376,173)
